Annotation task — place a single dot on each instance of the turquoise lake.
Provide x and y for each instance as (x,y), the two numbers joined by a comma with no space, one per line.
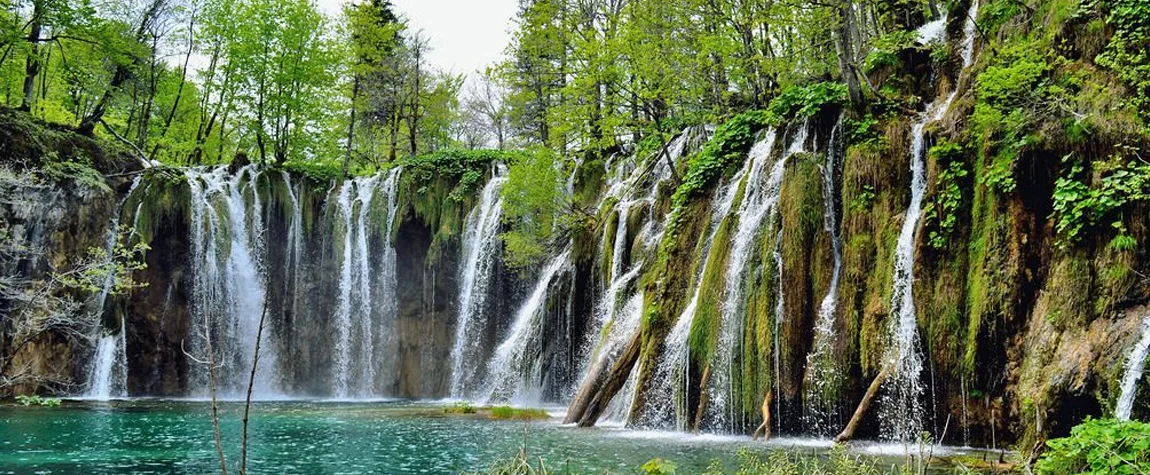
(298,437)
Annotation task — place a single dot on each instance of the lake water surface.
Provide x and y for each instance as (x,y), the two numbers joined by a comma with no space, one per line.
(300,437)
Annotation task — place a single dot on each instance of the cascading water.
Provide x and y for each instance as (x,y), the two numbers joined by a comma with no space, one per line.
(760,197)
(821,371)
(511,366)
(619,308)
(359,309)
(480,250)
(108,375)
(667,395)
(1135,366)
(902,408)
(228,296)
(616,338)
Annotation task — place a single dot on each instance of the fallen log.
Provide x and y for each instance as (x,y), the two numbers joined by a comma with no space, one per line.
(704,398)
(587,392)
(849,431)
(614,382)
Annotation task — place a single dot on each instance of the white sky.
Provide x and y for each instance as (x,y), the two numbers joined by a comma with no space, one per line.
(465,35)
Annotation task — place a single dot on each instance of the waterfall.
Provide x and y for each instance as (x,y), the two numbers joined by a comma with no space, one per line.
(1135,365)
(108,372)
(229,278)
(760,197)
(667,393)
(511,367)
(481,249)
(619,308)
(614,342)
(902,409)
(358,312)
(822,373)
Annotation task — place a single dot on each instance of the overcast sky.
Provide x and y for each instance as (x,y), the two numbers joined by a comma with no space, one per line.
(466,35)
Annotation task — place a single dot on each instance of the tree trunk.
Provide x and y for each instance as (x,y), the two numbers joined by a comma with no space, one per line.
(849,431)
(615,381)
(183,80)
(845,52)
(32,66)
(704,399)
(122,74)
(351,124)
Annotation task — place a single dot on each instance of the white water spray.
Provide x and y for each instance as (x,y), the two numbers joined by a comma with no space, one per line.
(902,409)
(480,250)
(1135,366)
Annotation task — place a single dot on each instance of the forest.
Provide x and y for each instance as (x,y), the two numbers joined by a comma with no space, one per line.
(907,235)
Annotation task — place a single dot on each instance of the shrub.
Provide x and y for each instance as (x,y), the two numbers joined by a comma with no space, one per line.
(1099,446)
(35,400)
(461,407)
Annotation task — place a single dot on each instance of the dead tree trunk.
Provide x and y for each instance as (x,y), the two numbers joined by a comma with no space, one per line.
(703,399)
(614,382)
(582,399)
(849,432)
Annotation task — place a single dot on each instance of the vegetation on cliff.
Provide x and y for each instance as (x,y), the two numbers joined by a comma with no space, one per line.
(1032,251)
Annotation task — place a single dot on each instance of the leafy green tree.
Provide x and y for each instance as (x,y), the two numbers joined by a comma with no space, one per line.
(532,201)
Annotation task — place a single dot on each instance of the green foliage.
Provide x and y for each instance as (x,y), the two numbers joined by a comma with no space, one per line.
(465,168)
(785,462)
(508,412)
(533,198)
(36,400)
(99,268)
(78,172)
(1126,55)
(863,130)
(316,169)
(1099,446)
(517,465)
(887,47)
(658,467)
(1079,206)
(864,200)
(727,147)
(806,101)
(1010,83)
(948,201)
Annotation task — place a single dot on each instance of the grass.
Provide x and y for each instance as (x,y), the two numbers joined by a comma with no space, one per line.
(525,413)
(780,462)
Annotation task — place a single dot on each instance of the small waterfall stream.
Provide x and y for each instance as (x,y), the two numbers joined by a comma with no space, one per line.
(108,375)
(821,372)
(366,290)
(1135,367)
(620,306)
(512,366)
(760,197)
(481,248)
(903,411)
(667,396)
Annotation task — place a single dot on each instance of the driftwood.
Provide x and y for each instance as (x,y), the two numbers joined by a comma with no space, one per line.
(765,428)
(614,381)
(704,398)
(587,392)
(849,432)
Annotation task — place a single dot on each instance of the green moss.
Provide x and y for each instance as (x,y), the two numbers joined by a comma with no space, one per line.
(161,196)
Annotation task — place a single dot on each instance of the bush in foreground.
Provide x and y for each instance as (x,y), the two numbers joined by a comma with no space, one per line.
(1099,446)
